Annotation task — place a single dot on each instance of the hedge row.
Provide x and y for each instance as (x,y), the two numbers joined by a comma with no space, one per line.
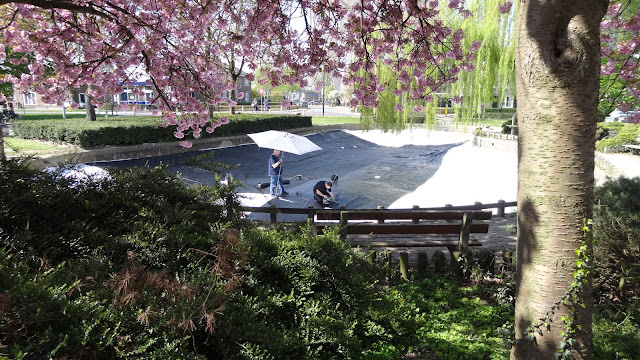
(120,131)
(495,113)
(613,135)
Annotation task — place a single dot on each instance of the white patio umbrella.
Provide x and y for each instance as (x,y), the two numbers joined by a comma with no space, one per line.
(284,141)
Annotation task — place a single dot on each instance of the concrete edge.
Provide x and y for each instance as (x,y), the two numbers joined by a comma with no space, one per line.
(111,153)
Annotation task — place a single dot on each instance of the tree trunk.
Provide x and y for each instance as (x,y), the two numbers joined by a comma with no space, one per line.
(2,154)
(233,94)
(90,110)
(557,74)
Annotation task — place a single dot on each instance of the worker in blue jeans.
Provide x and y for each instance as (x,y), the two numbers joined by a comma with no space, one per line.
(275,172)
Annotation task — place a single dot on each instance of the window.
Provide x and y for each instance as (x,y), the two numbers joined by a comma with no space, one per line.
(508,102)
(29,98)
(82,99)
(148,96)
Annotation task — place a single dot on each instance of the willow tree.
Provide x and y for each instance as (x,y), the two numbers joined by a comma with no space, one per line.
(488,35)
(493,73)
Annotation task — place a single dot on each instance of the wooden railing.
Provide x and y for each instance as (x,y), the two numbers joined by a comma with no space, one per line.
(310,211)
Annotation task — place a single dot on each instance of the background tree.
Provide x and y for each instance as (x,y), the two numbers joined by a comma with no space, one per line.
(493,73)
(620,71)
(12,65)
(106,44)
(229,59)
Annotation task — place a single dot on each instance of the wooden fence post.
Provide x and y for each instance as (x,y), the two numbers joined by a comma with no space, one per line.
(273,214)
(387,263)
(311,214)
(415,220)
(501,207)
(344,222)
(439,262)
(371,256)
(404,265)
(422,264)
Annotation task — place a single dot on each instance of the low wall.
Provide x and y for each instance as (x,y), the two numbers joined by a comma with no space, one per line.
(505,144)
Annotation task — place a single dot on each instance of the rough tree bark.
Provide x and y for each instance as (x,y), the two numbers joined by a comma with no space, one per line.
(557,74)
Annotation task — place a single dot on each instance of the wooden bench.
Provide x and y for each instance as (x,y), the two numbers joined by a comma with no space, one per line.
(635,149)
(407,228)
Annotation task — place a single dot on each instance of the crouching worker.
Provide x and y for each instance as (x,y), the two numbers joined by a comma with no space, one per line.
(322,193)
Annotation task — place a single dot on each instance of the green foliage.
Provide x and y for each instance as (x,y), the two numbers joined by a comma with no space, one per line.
(607,130)
(455,321)
(617,250)
(120,131)
(144,211)
(506,126)
(613,135)
(7,68)
(307,297)
(140,264)
(615,340)
(497,114)
(112,269)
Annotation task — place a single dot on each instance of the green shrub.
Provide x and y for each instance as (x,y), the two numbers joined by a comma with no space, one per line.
(141,265)
(614,135)
(617,237)
(306,297)
(607,130)
(497,113)
(119,131)
(615,340)
(506,126)
(112,269)
(146,211)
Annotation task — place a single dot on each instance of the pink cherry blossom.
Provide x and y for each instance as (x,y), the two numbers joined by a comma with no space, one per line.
(505,8)
(178,49)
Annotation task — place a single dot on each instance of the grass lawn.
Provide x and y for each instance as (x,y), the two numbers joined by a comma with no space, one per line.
(332,120)
(493,122)
(18,146)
